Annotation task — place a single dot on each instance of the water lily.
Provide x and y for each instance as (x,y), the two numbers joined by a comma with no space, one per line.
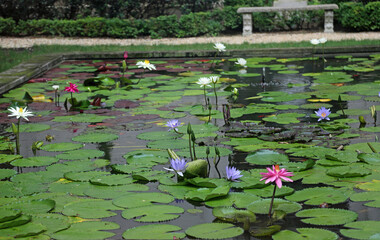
(214,80)
(178,165)
(145,65)
(72,88)
(323,113)
(19,113)
(235,91)
(173,124)
(203,82)
(55,87)
(125,55)
(220,47)
(314,41)
(242,62)
(276,175)
(232,173)
(322,40)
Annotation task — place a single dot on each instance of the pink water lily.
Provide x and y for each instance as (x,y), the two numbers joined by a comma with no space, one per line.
(72,88)
(276,175)
(125,55)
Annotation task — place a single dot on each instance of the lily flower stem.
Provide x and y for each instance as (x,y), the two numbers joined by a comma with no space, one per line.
(18,137)
(72,100)
(271,203)
(216,98)
(209,166)
(195,156)
(204,93)
(213,62)
(191,152)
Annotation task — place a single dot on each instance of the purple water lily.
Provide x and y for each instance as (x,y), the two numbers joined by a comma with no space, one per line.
(173,124)
(232,173)
(178,166)
(323,113)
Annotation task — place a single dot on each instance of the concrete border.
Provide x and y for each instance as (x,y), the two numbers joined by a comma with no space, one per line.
(37,66)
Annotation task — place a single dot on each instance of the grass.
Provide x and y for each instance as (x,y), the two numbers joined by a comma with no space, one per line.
(11,57)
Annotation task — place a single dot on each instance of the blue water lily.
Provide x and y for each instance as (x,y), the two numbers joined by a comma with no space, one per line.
(323,113)
(232,173)
(178,165)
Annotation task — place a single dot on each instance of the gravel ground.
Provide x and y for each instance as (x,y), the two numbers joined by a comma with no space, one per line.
(26,42)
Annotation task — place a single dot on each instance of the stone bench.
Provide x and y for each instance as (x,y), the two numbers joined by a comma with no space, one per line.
(288,5)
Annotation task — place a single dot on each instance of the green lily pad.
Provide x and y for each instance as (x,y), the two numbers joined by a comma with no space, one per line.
(370,158)
(238,199)
(327,216)
(333,77)
(83,176)
(306,234)
(373,197)
(6,173)
(58,147)
(20,220)
(354,112)
(214,231)
(231,214)
(154,231)
(353,170)
(80,154)
(90,208)
(166,143)
(142,199)
(52,222)
(82,118)
(4,158)
(87,230)
(262,206)
(315,105)
(25,230)
(112,192)
(112,180)
(77,166)
(266,157)
(284,118)
(31,207)
(268,191)
(95,137)
(73,188)
(319,195)
(374,185)
(9,214)
(31,127)
(363,147)
(361,230)
(370,129)
(34,161)
(150,136)
(153,213)
(178,192)
(204,194)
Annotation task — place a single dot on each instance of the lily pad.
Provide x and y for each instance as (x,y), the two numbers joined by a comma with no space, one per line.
(238,199)
(153,213)
(88,230)
(84,176)
(262,206)
(111,180)
(25,230)
(112,192)
(31,207)
(82,118)
(52,222)
(231,214)
(64,146)
(284,118)
(306,234)
(80,154)
(154,231)
(373,197)
(266,157)
(319,195)
(361,230)
(214,231)
(327,216)
(204,194)
(34,161)
(6,173)
(353,170)
(31,127)
(142,199)
(9,214)
(90,208)
(268,191)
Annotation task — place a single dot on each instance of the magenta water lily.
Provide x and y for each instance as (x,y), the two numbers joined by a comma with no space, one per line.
(323,113)
(232,173)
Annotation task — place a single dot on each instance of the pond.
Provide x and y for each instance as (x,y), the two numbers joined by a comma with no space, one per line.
(92,163)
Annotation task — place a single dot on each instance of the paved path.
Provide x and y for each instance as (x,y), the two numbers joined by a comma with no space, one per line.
(26,42)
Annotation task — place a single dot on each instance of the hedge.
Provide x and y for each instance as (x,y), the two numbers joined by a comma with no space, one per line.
(352,16)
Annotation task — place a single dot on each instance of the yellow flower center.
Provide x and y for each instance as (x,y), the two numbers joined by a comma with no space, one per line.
(277,168)
(20,110)
(146,61)
(323,115)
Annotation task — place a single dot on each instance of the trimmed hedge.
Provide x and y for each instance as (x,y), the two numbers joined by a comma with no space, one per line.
(351,15)
(359,17)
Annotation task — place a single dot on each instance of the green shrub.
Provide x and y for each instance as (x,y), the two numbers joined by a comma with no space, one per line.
(6,25)
(359,17)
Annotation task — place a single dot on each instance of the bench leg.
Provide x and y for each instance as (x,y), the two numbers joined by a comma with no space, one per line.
(247,24)
(329,21)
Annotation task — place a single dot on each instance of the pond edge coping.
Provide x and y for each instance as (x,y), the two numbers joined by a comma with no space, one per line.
(37,66)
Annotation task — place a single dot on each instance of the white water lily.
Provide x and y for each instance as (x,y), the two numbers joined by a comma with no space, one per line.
(242,62)
(204,81)
(214,79)
(235,91)
(220,47)
(314,41)
(20,112)
(146,65)
(55,87)
(322,40)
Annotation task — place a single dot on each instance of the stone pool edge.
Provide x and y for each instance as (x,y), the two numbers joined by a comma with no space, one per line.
(38,65)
